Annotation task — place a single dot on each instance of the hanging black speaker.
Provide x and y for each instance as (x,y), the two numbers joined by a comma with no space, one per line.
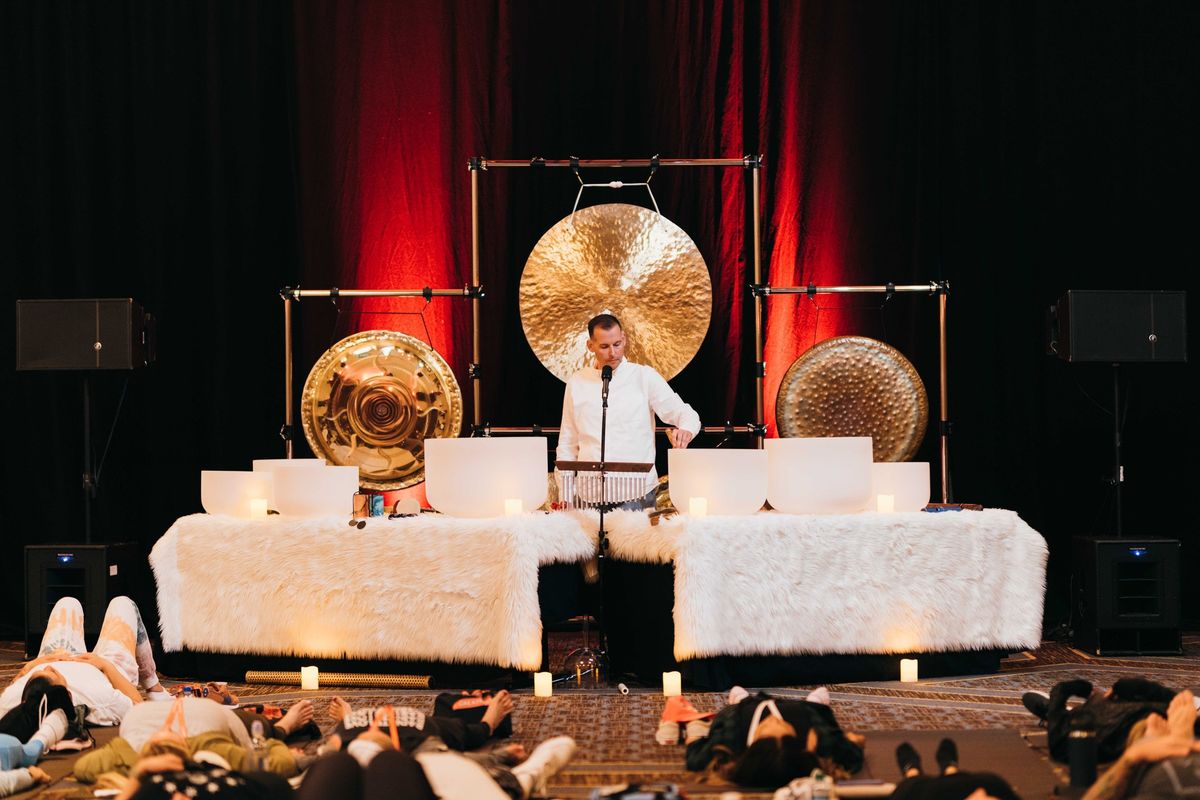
(1119,326)
(83,334)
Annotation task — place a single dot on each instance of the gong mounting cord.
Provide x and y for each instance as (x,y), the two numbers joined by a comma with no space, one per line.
(612,185)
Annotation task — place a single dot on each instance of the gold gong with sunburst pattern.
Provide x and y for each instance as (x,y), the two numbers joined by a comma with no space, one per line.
(623,260)
(373,399)
(855,386)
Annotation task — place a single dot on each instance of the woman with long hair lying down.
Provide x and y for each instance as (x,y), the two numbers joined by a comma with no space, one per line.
(105,680)
(760,740)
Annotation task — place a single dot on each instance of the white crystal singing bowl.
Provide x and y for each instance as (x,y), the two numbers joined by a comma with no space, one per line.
(732,481)
(906,481)
(473,477)
(272,464)
(324,492)
(230,492)
(828,475)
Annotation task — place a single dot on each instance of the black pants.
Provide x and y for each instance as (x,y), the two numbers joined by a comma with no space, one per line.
(391,775)
(953,787)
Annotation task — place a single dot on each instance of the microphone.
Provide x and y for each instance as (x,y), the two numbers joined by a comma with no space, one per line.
(605,376)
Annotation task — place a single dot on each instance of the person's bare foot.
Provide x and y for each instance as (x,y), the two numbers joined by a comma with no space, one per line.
(296,717)
(339,708)
(499,706)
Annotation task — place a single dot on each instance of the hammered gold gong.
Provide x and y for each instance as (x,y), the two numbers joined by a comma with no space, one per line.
(373,399)
(855,386)
(623,260)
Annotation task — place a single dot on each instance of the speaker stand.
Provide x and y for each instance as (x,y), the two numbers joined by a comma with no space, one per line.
(1118,474)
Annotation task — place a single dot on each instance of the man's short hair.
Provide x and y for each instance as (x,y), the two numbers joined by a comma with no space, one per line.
(604,322)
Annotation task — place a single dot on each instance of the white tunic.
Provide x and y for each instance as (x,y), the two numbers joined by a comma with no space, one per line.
(636,394)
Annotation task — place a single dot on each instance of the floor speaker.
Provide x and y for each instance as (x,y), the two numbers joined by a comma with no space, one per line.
(1126,595)
(91,573)
(1119,326)
(83,335)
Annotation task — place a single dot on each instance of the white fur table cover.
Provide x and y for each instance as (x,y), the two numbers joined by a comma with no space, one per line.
(426,588)
(780,584)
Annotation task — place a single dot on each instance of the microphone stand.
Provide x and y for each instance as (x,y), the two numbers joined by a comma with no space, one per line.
(602,535)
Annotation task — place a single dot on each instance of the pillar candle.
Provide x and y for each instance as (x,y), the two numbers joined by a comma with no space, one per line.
(308,679)
(542,685)
(908,670)
(672,684)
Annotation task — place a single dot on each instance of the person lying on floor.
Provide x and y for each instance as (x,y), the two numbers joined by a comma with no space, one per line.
(414,726)
(1162,758)
(20,779)
(759,740)
(1109,714)
(176,776)
(205,726)
(105,679)
(375,766)
(41,716)
(951,783)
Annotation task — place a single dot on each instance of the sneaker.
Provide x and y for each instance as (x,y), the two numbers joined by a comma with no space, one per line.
(544,763)
(1037,703)
(947,755)
(907,758)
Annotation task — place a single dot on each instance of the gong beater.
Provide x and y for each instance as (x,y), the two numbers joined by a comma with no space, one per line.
(371,401)
(623,260)
(855,386)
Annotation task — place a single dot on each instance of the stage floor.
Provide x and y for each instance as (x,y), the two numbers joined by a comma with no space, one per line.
(615,732)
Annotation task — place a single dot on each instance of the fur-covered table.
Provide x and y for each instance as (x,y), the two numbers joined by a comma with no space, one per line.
(784,585)
(428,588)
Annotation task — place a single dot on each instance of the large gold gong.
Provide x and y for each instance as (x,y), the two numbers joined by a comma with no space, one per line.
(623,260)
(373,399)
(855,386)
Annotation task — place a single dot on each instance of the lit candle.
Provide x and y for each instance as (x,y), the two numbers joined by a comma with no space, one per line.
(513,507)
(886,503)
(698,506)
(308,679)
(258,508)
(542,684)
(908,670)
(672,684)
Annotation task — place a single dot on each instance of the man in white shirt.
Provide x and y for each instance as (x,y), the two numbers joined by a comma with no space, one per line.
(636,394)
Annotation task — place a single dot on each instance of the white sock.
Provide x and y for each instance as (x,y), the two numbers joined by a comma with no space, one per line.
(544,763)
(52,730)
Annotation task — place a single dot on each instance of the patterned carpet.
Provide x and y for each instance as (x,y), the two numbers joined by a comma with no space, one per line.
(615,731)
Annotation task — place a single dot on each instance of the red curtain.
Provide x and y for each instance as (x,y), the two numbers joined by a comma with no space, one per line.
(394,99)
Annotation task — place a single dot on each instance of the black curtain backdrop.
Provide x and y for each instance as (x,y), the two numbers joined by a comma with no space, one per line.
(196,156)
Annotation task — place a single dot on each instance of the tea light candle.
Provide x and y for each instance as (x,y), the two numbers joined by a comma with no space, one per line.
(513,507)
(672,684)
(542,684)
(258,508)
(308,679)
(698,506)
(886,503)
(908,670)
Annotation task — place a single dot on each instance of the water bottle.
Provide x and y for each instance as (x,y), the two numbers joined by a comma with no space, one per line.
(1081,755)
(257,757)
(822,787)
